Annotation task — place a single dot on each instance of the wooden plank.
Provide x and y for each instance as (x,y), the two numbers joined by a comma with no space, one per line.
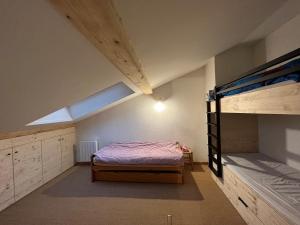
(6,179)
(27,168)
(23,140)
(51,156)
(6,143)
(21,167)
(99,166)
(258,210)
(269,215)
(239,133)
(283,99)
(37,130)
(100,23)
(146,177)
(232,192)
(241,189)
(67,151)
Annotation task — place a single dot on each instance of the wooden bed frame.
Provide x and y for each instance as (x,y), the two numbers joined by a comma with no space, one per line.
(281,98)
(136,173)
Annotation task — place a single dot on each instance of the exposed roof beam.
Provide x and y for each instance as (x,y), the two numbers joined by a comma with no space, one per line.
(100,23)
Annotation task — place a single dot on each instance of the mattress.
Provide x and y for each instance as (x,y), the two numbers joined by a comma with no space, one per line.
(295,77)
(141,153)
(276,182)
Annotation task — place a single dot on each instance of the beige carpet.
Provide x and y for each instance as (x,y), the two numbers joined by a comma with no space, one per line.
(71,199)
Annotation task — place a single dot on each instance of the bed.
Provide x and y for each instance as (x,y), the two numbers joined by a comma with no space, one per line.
(263,190)
(292,76)
(160,162)
(272,88)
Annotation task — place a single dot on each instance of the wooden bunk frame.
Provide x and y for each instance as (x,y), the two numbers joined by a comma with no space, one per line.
(136,173)
(273,99)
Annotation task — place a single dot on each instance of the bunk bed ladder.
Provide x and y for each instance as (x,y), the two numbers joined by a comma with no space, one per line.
(214,138)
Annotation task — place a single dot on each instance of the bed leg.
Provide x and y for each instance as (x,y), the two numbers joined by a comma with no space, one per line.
(182,175)
(92,171)
(92,176)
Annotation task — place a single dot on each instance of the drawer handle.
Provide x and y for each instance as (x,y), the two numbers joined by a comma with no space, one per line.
(16,151)
(8,154)
(242,201)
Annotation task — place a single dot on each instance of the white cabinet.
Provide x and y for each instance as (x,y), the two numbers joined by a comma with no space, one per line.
(58,154)
(67,152)
(51,151)
(27,162)
(6,178)
(27,168)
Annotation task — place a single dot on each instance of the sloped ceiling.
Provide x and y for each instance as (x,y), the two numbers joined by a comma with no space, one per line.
(174,37)
(47,64)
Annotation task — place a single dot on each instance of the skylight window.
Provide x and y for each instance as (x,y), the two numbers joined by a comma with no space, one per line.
(100,100)
(58,116)
(88,106)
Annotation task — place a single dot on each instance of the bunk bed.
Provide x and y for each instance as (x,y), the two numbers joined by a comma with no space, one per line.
(263,90)
(272,88)
(263,190)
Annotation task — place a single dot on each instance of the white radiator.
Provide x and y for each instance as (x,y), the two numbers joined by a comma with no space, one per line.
(86,149)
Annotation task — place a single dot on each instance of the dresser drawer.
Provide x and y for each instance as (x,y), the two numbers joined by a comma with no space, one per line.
(246,195)
(241,197)
(269,215)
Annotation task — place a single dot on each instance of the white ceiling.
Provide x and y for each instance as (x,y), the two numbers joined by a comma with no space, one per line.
(47,64)
(173,37)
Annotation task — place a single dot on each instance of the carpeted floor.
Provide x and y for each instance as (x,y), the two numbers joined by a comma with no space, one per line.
(71,199)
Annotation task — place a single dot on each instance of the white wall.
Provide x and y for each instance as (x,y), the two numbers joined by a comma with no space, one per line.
(135,120)
(210,75)
(46,64)
(279,135)
(233,62)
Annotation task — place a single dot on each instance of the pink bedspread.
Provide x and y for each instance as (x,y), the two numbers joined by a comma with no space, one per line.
(155,153)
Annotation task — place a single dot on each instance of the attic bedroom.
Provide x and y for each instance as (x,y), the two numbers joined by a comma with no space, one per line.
(162,112)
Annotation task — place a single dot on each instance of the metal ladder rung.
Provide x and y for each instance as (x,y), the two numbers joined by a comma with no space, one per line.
(214,159)
(214,151)
(212,135)
(214,170)
(212,124)
(213,147)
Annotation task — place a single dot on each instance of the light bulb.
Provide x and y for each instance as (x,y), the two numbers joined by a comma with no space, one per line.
(159,106)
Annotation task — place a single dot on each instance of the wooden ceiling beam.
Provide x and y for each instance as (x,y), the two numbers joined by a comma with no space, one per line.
(100,23)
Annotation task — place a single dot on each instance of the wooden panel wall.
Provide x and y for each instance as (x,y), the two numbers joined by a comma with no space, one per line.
(283,99)
(29,161)
(27,168)
(6,175)
(239,133)
(51,158)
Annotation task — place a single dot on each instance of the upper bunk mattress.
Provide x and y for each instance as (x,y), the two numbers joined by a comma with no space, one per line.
(276,182)
(141,153)
(294,77)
